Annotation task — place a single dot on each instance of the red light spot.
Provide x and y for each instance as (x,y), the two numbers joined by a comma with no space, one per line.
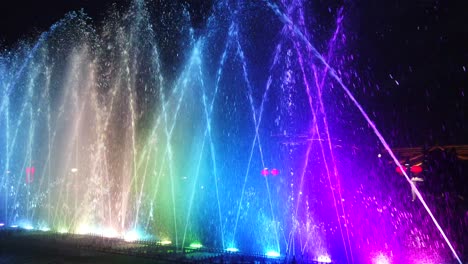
(416,169)
(264,172)
(30,174)
(399,170)
(274,172)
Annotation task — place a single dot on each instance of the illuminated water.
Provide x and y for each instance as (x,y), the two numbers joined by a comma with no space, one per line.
(124,143)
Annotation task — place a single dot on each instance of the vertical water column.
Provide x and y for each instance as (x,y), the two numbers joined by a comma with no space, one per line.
(300,124)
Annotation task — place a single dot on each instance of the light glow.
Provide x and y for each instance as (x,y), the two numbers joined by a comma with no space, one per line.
(232,249)
(131,236)
(381,259)
(28,227)
(110,233)
(272,254)
(196,245)
(83,229)
(324,259)
(165,242)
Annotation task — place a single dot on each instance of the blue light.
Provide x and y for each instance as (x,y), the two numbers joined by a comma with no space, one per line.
(28,227)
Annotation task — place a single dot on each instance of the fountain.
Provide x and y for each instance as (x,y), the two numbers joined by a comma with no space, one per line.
(240,147)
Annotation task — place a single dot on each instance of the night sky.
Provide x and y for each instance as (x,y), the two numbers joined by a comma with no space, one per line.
(423,45)
(412,57)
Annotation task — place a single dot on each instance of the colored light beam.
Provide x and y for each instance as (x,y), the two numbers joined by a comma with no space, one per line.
(197,174)
(334,75)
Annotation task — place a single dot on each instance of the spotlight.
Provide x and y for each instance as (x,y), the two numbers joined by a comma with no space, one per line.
(131,236)
(232,250)
(83,229)
(324,259)
(196,245)
(381,259)
(272,254)
(165,242)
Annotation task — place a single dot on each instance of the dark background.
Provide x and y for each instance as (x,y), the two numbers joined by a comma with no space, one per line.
(25,19)
(421,44)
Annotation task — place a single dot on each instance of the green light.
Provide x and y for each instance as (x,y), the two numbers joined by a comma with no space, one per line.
(196,245)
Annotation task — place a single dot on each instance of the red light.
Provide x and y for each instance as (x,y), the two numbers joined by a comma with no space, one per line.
(274,172)
(416,169)
(264,172)
(399,170)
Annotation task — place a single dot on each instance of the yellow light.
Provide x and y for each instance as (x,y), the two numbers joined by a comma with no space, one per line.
(165,242)
(83,229)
